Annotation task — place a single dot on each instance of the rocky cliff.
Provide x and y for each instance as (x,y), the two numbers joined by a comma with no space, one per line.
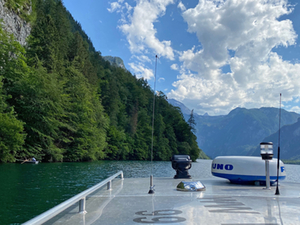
(13,24)
(117,61)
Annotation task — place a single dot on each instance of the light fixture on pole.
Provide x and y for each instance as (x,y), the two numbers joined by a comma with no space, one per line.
(266,152)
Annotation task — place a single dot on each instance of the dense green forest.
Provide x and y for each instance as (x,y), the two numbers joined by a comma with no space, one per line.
(61,101)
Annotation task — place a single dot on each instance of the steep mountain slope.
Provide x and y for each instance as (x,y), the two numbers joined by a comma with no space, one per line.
(62,101)
(289,142)
(239,132)
(185,110)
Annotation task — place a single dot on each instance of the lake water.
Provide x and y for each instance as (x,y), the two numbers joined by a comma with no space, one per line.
(29,190)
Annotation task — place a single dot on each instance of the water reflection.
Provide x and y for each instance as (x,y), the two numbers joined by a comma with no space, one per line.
(269,218)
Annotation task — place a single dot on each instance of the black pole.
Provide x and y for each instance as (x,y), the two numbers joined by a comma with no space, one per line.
(278,157)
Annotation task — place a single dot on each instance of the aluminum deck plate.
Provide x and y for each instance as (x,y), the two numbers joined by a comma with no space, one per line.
(221,203)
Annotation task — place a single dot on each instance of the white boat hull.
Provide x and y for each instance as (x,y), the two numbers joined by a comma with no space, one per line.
(32,162)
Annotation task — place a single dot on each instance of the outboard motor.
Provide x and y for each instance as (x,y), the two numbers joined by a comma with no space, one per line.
(181,163)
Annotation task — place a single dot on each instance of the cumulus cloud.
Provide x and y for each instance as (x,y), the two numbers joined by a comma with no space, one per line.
(140,71)
(295,109)
(174,67)
(139,27)
(249,30)
(218,96)
(114,6)
(142,58)
(181,6)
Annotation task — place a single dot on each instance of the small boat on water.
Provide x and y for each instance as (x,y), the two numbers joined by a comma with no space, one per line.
(31,162)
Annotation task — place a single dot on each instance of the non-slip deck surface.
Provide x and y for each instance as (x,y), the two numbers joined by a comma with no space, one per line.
(221,203)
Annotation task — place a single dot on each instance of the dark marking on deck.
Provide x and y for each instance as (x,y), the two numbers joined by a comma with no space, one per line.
(159,216)
(226,205)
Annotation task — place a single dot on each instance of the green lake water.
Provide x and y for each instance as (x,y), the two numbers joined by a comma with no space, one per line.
(28,190)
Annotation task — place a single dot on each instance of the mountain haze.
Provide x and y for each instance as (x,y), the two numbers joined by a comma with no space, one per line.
(289,142)
(185,110)
(241,131)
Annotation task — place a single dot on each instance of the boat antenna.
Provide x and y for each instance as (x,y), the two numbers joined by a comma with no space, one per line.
(278,157)
(151,191)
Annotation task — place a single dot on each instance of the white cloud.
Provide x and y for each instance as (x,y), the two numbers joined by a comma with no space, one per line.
(114,6)
(140,71)
(250,29)
(140,31)
(295,109)
(218,96)
(181,6)
(142,58)
(174,67)
(161,79)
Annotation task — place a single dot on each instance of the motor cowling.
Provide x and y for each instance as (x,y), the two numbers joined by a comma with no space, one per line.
(181,163)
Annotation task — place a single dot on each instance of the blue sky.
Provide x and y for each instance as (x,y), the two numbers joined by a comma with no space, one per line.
(214,56)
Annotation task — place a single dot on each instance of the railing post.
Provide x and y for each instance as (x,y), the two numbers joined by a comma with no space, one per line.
(109,185)
(82,206)
(122,177)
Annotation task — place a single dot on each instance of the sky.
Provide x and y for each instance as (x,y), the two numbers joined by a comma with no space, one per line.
(213,55)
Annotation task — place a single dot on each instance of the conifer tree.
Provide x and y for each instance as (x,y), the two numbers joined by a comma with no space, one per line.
(192,122)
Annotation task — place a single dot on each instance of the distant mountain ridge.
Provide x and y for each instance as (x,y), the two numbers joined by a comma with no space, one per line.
(241,131)
(184,109)
(289,142)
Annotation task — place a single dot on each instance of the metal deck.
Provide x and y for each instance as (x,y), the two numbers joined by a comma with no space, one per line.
(221,203)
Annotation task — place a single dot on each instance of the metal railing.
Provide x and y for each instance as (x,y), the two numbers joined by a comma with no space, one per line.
(80,198)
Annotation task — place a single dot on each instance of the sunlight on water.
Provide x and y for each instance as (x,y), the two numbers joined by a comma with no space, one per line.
(292,173)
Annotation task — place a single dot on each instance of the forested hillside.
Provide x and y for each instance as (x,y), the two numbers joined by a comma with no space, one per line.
(61,101)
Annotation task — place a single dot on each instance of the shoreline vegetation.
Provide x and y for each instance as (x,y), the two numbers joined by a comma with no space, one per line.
(60,101)
(287,161)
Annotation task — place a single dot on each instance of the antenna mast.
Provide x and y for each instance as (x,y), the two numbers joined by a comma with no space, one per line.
(151,191)
(278,157)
